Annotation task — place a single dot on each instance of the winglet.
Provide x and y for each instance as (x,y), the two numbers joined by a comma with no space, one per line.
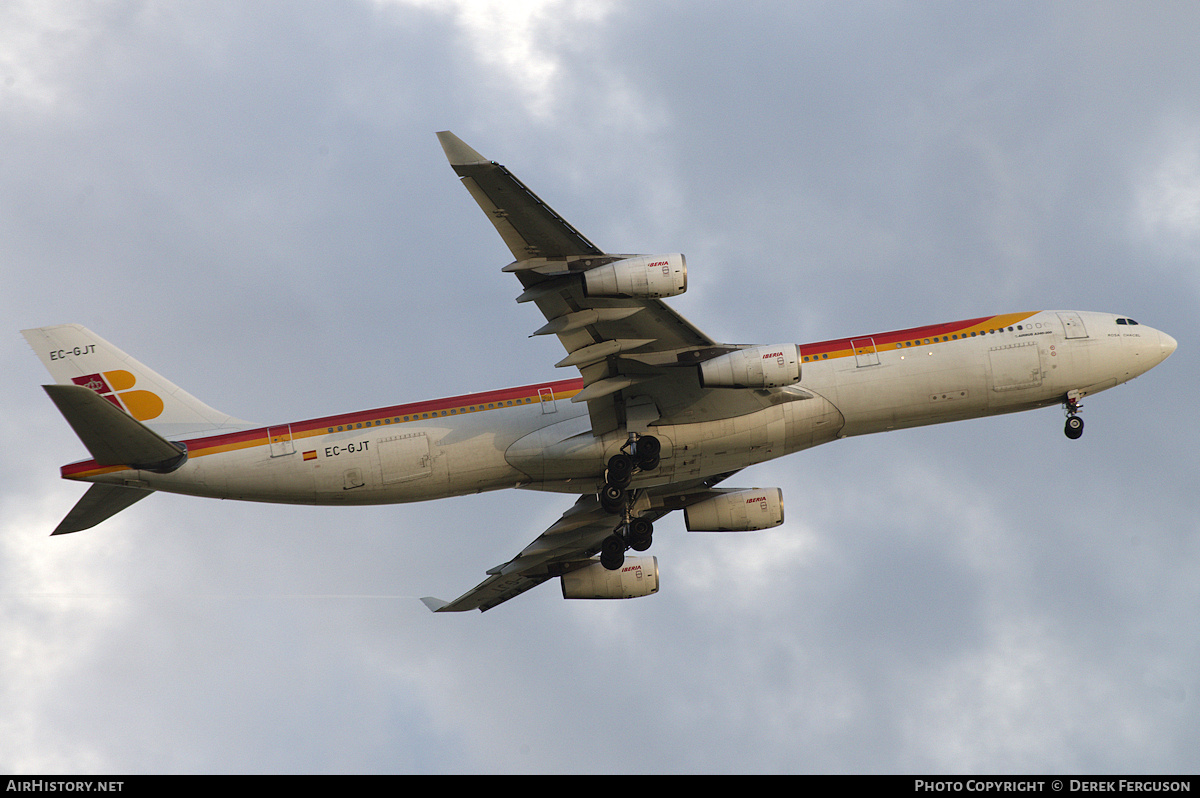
(434,604)
(458,152)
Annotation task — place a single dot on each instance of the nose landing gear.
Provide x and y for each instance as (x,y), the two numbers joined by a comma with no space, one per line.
(1072,406)
(633,533)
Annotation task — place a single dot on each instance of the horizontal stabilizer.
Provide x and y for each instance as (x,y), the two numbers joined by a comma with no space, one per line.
(111,435)
(101,502)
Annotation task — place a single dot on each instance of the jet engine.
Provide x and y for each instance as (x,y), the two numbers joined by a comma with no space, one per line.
(637,577)
(736,511)
(771,366)
(643,277)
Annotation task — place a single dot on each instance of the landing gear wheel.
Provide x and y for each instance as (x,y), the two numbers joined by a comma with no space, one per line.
(648,452)
(612,499)
(640,534)
(1074,427)
(620,470)
(612,553)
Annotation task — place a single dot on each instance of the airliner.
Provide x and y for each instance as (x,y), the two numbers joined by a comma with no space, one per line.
(656,417)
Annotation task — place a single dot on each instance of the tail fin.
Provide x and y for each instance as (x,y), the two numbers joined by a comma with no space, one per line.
(75,355)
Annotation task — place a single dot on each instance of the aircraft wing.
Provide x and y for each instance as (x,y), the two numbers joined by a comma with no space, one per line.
(569,544)
(631,352)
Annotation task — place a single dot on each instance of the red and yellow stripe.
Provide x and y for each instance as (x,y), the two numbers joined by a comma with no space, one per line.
(379,417)
(913,336)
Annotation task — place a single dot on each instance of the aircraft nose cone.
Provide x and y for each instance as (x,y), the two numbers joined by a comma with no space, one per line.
(1167,344)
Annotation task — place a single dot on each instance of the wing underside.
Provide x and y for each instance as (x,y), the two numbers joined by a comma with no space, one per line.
(569,544)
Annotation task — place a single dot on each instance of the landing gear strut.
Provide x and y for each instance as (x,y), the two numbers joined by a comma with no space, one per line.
(1072,406)
(641,453)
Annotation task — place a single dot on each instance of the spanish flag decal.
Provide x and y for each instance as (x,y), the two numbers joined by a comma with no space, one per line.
(310,455)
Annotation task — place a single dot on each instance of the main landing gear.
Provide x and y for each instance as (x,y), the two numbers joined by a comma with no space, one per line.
(641,453)
(1072,406)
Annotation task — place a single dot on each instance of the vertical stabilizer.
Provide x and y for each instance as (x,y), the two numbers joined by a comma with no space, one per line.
(75,355)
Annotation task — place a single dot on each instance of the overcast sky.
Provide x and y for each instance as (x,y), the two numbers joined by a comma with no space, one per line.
(249,197)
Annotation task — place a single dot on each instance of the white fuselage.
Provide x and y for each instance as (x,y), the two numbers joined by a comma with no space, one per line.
(536,437)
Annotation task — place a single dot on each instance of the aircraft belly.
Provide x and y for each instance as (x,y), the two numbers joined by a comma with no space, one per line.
(478,464)
(249,474)
(912,390)
(716,447)
(423,462)
(811,422)
(344,469)
(564,449)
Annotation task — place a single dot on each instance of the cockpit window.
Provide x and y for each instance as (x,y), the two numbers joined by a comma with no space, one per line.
(1126,321)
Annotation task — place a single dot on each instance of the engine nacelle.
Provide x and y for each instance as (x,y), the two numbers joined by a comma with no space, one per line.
(637,577)
(644,277)
(737,511)
(771,366)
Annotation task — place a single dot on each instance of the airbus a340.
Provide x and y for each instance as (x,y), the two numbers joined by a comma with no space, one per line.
(658,416)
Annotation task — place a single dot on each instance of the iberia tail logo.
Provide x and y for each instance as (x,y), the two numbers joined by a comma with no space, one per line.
(114,386)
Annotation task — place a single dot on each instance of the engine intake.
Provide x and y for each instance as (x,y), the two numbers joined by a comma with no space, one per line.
(637,577)
(643,277)
(771,366)
(736,511)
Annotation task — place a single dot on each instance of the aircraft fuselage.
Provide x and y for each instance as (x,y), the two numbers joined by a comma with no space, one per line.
(536,437)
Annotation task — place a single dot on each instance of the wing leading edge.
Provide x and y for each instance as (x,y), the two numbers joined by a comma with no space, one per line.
(529,227)
(632,351)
